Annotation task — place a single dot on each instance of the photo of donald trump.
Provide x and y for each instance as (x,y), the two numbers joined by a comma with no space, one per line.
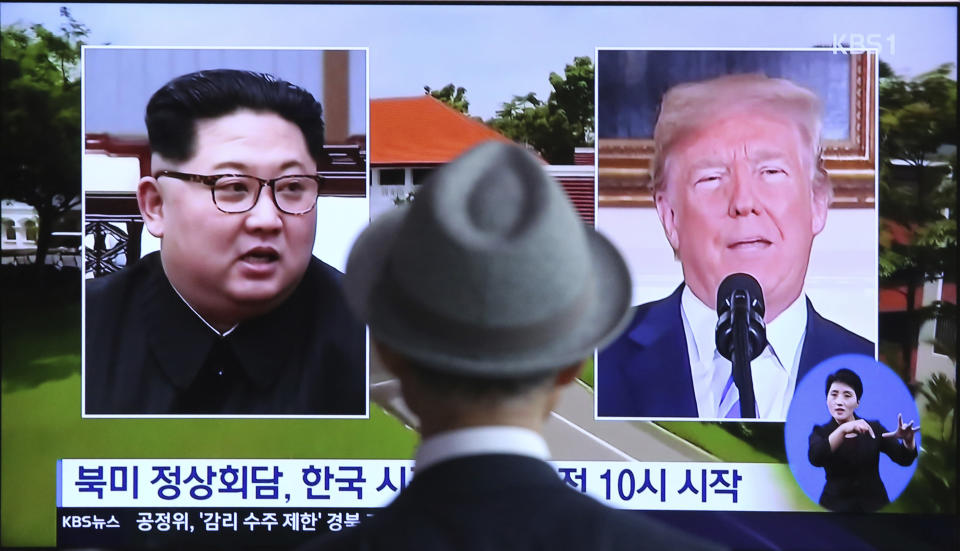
(739,186)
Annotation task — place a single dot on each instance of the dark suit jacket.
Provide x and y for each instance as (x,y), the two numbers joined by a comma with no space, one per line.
(499,503)
(148,353)
(646,371)
(853,469)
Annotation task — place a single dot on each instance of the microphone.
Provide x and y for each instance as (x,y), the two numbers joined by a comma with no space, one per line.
(741,334)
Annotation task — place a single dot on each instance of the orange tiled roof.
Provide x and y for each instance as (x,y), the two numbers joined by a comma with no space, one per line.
(422,130)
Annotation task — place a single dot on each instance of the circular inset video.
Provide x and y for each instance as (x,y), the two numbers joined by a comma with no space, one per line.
(852,434)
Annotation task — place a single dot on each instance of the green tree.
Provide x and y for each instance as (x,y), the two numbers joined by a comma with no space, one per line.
(454,96)
(572,98)
(40,125)
(917,192)
(555,127)
(918,244)
(934,488)
(525,119)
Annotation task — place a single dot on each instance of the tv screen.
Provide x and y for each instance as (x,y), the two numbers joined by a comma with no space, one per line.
(118,289)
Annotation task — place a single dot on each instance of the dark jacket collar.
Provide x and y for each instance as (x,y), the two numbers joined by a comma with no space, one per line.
(182,342)
(481,474)
(649,334)
(666,359)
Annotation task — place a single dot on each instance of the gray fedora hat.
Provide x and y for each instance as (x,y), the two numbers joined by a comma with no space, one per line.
(489,272)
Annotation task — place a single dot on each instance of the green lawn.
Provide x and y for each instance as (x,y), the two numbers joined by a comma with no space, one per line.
(586,374)
(717,441)
(728,448)
(709,437)
(40,423)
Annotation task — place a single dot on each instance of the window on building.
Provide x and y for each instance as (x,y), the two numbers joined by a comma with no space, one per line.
(420,175)
(9,232)
(391,177)
(945,335)
(31,228)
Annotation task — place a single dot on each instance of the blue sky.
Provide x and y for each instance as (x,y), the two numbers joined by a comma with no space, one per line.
(500,51)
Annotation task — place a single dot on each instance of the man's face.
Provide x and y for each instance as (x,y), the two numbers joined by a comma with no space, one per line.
(233,266)
(738,197)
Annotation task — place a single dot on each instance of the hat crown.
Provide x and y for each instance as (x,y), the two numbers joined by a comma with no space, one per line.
(489,273)
(492,240)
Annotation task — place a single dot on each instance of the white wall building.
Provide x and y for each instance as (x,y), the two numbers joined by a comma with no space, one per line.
(20,223)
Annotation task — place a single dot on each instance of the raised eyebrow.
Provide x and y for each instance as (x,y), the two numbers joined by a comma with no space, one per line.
(708,163)
(766,156)
(232,165)
(294,164)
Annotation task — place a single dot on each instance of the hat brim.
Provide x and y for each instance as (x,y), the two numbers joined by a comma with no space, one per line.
(602,319)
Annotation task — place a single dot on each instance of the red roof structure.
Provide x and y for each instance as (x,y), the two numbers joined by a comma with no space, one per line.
(422,130)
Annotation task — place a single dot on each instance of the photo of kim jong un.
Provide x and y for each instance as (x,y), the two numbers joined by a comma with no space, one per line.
(222,190)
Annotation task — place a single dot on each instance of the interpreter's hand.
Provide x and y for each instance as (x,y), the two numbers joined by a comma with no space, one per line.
(904,432)
(852,429)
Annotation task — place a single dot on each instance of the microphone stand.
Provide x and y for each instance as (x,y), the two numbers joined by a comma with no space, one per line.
(741,334)
(742,354)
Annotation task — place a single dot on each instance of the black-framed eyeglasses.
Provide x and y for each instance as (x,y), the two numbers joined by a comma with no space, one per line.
(236,193)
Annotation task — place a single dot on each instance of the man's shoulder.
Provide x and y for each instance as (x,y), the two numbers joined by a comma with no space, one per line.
(650,320)
(129,275)
(111,291)
(594,525)
(825,339)
(116,332)
(325,280)
(319,269)
(839,336)
(652,349)
(323,285)
(542,516)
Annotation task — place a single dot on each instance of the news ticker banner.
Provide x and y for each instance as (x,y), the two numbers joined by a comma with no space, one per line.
(286,500)
(345,483)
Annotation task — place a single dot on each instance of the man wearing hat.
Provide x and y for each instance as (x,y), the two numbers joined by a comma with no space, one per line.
(484,297)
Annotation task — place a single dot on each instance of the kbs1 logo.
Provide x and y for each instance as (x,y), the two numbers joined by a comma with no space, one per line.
(857,42)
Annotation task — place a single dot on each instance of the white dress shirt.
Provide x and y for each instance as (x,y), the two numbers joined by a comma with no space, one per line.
(774,371)
(479,441)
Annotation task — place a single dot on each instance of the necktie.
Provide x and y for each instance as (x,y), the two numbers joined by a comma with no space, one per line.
(730,394)
(724,391)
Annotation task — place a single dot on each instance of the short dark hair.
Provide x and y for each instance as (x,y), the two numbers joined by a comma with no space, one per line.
(848,378)
(173,110)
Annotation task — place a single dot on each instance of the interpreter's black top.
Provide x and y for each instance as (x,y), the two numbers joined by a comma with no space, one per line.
(853,469)
(148,353)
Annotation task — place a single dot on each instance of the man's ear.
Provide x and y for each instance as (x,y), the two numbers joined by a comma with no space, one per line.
(391,361)
(819,204)
(668,218)
(563,378)
(150,201)
(566,375)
